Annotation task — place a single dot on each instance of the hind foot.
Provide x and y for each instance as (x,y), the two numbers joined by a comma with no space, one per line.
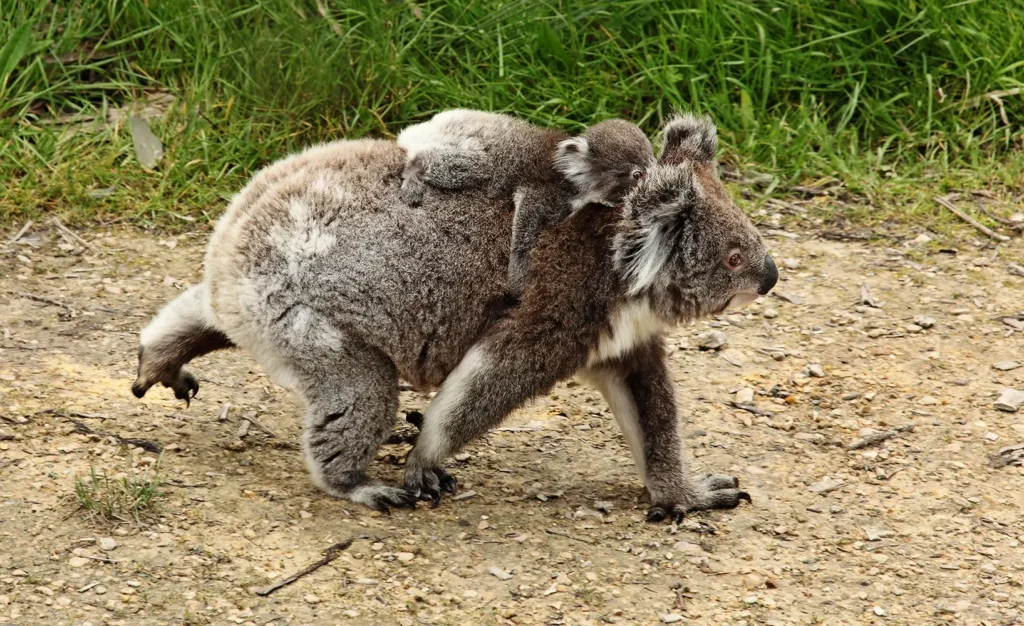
(381,498)
(184,385)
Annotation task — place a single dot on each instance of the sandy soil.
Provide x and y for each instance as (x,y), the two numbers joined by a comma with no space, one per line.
(918,529)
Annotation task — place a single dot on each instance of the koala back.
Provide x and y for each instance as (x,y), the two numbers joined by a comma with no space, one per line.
(318,250)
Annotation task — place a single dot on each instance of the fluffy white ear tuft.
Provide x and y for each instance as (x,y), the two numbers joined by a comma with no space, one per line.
(572,159)
(689,137)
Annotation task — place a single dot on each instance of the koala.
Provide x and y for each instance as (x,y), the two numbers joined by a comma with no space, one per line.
(462,149)
(338,288)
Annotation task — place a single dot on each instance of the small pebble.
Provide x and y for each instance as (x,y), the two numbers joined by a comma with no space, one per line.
(745,396)
(770,313)
(924,321)
(815,370)
(711,340)
(671,618)
(499,573)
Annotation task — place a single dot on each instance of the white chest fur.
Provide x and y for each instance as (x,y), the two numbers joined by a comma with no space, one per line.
(631,325)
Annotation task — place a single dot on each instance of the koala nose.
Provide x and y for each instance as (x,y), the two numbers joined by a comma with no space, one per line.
(771,276)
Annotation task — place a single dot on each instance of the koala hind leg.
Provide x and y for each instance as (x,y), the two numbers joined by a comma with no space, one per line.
(351,398)
(180,332)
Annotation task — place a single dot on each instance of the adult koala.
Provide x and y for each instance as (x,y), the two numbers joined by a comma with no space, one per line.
(338,289)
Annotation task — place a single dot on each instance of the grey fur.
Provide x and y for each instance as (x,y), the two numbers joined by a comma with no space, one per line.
(465,149)
(339,288)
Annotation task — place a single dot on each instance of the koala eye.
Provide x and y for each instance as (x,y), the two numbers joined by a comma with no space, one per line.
(638,175)
(735,261)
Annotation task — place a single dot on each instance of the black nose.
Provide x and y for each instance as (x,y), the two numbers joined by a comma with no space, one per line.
(771,276)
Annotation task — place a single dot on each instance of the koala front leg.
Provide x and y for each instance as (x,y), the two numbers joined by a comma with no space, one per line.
(537,208)
(639,392)
(497,375)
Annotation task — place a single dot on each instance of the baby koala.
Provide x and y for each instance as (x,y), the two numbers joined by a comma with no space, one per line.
(547,173)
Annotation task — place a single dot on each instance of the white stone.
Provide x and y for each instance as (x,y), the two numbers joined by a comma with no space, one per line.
(1010,400)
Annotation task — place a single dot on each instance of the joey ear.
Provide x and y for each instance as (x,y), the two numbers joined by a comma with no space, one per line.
(689,137)
(573,160)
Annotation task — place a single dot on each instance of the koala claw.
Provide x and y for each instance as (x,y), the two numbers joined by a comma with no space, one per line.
(185,387)
(415,418)
(400,499)
(659,513)
(720,492)
(432,483)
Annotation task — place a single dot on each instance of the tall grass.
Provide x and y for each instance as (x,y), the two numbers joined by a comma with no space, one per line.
(803,88)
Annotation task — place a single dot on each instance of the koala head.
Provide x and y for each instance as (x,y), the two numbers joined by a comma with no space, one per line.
(605,162)
(682,241)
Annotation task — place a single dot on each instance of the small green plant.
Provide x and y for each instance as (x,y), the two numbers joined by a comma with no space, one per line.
(125,499)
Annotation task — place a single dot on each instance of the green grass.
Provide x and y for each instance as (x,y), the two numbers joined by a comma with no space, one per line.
(892,98)
(115,500)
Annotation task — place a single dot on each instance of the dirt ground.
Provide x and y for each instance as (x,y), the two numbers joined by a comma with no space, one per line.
(917,529)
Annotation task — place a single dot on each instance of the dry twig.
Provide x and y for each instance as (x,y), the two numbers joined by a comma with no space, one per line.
(24,229)
(330,554)
(876,438)
(945,202)
(559,533)
(70,234)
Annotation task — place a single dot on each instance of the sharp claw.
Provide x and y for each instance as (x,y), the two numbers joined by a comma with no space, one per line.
(415,418)
(655,514)
(448,482)
(743,495)
(678,515)
(435,499)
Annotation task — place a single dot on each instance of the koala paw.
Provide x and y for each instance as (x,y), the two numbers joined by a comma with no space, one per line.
(411,191)
(183,383)
(185,387)
(381,498)
(719,492)
(675,512)
(429,483)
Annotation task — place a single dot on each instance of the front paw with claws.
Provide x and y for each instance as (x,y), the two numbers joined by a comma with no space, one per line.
(717,492)
(428,484)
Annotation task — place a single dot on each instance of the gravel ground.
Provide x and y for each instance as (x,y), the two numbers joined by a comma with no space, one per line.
(859,342)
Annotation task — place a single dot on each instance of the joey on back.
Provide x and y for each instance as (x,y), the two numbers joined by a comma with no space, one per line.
(547,173)
(339,288)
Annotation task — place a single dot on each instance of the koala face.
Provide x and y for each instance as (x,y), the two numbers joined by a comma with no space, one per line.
(683,241)
(606,162)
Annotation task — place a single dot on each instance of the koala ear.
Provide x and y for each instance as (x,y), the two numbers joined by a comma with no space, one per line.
(573,160)
(689,137)
(656,210)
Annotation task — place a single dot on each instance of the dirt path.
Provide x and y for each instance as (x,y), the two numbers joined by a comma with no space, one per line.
(918,529)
